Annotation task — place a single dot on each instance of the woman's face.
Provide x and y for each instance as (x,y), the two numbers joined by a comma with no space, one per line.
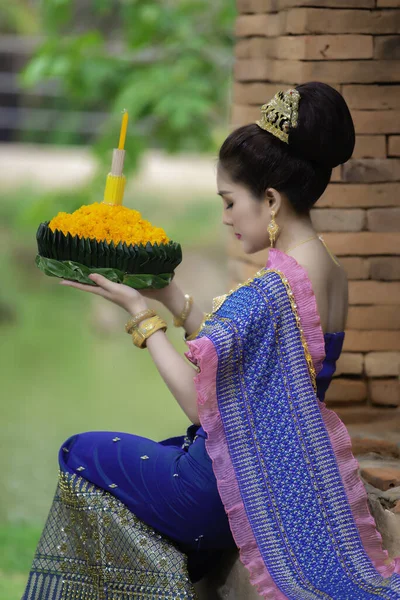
(248,217)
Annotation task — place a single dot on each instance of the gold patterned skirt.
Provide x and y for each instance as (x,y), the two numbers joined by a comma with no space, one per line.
(93,548)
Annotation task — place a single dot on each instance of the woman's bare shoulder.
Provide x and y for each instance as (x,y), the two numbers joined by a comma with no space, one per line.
(330,285)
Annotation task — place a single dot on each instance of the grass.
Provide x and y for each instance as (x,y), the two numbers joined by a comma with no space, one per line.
(17,545)
(62,373)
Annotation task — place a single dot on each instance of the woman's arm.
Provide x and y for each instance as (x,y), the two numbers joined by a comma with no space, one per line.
(173,298)
(177,373)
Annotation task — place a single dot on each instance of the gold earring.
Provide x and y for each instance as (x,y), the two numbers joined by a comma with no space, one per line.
(273,229)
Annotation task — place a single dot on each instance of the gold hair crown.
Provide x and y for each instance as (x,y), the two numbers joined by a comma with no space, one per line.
(280,113)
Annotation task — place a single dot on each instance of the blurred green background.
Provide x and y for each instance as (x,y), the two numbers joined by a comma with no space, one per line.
(67,70)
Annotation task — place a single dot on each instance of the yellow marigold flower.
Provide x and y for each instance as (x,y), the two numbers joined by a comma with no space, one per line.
(101,221)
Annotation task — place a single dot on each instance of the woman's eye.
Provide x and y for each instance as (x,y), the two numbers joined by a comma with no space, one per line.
(229,205)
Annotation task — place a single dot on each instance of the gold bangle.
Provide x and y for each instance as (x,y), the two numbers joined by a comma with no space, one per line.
(179,321)
(142,332)
(136,319)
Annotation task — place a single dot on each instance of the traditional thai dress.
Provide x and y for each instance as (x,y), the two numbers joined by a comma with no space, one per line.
(269,471)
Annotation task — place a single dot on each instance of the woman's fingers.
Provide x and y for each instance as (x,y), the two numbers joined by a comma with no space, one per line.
(123,295)
(85,288)
(103,282)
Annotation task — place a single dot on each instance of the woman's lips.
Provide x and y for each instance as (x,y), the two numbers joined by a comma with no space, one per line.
(238,236)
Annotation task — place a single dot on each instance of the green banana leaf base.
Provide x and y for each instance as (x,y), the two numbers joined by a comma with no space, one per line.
(74,271)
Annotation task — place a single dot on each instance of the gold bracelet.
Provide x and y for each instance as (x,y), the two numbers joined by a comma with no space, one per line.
(179,321)
(143,331)
(136,319)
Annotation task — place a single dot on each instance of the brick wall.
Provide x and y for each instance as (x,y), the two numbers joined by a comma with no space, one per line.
(354,45)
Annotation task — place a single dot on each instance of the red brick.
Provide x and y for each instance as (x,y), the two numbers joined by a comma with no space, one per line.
(370,146)
(384,391)
(374,170)
(387,47)
(380,447)
(350,363)
(384,219)
(263,25)
(381,316)
(394,145)
(388,4)
(332,72)
(321,20)
(381,478)
(371,341)
(346,390)
(282,4)
(349,71)
(318,47)
(372,97)
(377,121)
(385,268)
(242,115)
(256,93)
(368,415)
(256,6)
(333,219)
(328,3)
(266,6)
(355,267)
(361,195)
(363,243)
(337,174)
(256,47)
(242,48)
(252,70)
(328,47)
(374,292)
(382,364)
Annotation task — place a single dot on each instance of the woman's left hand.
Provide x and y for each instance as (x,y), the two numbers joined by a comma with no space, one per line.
(123,295)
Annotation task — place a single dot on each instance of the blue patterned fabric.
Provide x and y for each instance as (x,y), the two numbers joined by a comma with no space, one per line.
(283,460)
(333,349)
(170,485)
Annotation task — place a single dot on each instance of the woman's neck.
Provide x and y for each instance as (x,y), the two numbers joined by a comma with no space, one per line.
(296,230)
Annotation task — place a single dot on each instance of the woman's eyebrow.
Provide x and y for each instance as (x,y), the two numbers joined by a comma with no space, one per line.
(223,193)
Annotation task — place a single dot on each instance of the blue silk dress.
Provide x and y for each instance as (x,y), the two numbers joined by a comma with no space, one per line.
(170,485)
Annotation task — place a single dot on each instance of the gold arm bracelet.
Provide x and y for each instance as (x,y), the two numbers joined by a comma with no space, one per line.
(144,330)
(179,321)
(136,319)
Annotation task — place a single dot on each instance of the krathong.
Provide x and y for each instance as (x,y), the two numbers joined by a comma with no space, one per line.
(108,238)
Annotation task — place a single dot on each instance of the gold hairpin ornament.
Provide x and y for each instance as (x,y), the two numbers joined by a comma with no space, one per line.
(280,113)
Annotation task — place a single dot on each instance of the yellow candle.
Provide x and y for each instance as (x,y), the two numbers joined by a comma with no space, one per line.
(124,127)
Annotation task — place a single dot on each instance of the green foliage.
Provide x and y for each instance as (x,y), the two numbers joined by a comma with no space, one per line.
(167,63)
(17,545)
(18,17)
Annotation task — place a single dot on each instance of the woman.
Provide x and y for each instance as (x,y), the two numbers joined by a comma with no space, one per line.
(265,466)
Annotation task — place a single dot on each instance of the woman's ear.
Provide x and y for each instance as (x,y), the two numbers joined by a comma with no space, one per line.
(274,199)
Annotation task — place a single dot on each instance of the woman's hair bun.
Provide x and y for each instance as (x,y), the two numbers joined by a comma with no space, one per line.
(325,130)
